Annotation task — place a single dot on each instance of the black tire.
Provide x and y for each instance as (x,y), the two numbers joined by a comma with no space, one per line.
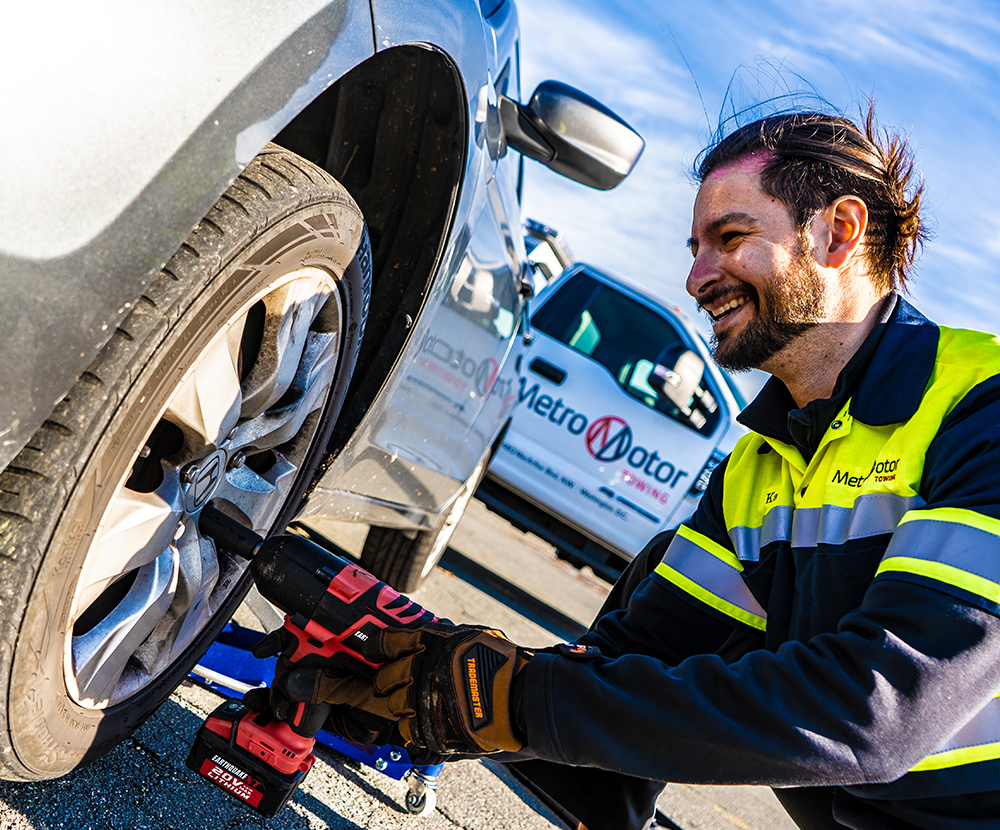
(404,559)
(95,633)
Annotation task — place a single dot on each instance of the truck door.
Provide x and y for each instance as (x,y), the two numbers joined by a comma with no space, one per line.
(592,440)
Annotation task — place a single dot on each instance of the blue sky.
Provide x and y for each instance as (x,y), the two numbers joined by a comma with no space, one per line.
(932,67)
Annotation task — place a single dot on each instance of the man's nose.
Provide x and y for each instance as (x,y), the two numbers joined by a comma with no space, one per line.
(702,274)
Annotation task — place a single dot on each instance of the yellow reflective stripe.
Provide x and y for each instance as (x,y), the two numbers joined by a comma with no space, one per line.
(958,757)
(951,545)
(712,547)
(957,515)
(710,599)
(942,573)
(707,571)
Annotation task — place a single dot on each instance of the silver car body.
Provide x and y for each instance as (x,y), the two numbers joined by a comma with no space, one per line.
(368,152)
(165,104)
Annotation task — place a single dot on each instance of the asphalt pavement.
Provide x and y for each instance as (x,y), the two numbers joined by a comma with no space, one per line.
(491,574)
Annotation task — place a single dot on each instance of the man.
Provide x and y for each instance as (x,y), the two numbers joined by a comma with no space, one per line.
(828,622)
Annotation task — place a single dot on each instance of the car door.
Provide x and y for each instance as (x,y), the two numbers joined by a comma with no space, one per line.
(592,440)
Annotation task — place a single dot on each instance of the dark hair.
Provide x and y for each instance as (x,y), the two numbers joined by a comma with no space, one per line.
(812,158)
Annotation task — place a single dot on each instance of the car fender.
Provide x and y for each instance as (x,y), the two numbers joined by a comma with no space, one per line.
(115,161)
(429,427)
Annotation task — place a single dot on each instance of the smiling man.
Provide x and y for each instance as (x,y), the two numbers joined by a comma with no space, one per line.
(828,622)
(774,259)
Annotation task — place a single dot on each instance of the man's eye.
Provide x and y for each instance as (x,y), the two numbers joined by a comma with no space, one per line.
(730,236)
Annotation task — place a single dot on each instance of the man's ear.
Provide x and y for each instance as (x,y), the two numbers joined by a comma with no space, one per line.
(840,229)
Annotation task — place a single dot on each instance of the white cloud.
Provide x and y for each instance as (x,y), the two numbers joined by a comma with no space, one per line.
(614,62)
(932,66)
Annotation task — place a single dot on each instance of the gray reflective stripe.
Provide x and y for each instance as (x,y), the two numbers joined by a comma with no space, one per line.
(712,574)
(984,728)
(977,741)
(871,515)
(806,527)
(777,527)
(953,544)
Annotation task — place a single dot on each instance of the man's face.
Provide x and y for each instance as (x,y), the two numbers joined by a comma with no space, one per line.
(752,273)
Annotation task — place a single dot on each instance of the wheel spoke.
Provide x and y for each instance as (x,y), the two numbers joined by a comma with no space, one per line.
(260,335)
(190,609)
(137,529)
(306,393)
(291,311)
(208,402)
(100,655)
(258,495)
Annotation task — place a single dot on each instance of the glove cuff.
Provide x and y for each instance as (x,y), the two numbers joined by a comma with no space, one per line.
(485,671)
(518,717)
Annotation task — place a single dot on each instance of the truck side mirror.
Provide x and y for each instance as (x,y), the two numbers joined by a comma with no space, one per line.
(572,134)
(681,386)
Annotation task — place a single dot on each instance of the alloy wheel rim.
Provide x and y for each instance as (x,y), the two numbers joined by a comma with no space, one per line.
(233,433)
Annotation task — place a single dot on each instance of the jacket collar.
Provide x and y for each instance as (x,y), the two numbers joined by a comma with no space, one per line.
(890,388)
(893,386)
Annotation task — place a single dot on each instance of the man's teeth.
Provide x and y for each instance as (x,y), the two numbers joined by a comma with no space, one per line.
(720,312)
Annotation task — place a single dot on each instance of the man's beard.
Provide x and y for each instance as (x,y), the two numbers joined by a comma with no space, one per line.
(795,304)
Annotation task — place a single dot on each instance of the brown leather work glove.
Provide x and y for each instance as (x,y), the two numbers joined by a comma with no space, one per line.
(446,688)
(357,725)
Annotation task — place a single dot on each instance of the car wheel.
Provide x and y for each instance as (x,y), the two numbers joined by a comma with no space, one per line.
(221,385)
(404,559)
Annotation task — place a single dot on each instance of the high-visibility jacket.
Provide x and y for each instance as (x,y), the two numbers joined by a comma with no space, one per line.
(840,616)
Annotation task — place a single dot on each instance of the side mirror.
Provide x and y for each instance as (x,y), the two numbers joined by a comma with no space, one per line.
(525,285)
(572,134)
(681,386)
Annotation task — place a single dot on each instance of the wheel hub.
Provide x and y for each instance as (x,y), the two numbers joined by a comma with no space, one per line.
(201,480)
(234,431)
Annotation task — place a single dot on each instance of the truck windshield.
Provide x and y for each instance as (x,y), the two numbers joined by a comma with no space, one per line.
(625,336)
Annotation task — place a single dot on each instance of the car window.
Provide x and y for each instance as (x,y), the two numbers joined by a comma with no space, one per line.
(624,336)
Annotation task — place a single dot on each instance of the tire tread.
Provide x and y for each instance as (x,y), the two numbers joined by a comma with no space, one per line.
(394,557)
(67,439)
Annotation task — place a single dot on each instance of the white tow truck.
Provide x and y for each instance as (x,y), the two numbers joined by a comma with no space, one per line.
(622,415)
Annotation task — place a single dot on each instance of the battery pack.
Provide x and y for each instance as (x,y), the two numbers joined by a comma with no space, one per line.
(263,772)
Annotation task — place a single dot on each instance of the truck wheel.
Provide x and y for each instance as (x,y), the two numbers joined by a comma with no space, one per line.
(221,386)
(404,559)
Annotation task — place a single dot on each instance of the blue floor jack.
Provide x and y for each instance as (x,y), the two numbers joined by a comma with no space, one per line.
(230,669)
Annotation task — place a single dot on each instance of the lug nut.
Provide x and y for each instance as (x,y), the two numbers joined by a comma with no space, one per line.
(190,473)
(238,460)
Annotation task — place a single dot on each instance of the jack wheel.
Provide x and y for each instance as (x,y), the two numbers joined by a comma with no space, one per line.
(421,804)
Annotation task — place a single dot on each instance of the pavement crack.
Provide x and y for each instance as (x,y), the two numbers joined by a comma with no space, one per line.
(444,813)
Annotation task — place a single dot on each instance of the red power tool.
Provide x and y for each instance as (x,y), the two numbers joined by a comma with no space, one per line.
(334,612)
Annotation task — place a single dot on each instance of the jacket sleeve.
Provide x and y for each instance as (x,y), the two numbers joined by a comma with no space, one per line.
(653,619)
(858,706)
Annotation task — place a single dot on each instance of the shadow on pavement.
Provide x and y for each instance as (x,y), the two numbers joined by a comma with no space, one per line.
(345,767)
(519,600)
(144,783)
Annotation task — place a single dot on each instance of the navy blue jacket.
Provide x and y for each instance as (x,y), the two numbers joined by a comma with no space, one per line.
(855,678)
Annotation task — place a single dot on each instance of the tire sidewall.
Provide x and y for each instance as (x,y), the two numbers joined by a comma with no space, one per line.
(50,733)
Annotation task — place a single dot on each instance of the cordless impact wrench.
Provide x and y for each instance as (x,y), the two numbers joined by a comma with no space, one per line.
(334,612)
